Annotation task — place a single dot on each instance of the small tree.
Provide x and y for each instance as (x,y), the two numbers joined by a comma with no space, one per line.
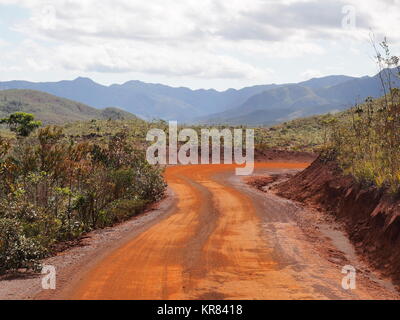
(22,123)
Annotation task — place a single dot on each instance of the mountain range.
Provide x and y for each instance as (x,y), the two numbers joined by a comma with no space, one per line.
(256,105)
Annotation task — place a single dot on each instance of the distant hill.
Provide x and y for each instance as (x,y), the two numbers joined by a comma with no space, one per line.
(325,82)
(313,97)
(276,105)
(54,110)
(258,105)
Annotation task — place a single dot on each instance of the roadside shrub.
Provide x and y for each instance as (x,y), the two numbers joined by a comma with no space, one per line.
(125,208)
(53,188)
(17,250)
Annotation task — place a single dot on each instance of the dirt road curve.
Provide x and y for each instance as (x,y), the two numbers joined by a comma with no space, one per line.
(225,240)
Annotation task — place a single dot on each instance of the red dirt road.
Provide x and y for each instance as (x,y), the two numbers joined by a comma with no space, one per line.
(225,240)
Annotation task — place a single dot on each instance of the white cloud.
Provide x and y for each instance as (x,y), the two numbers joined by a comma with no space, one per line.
(208,39)
(131,36)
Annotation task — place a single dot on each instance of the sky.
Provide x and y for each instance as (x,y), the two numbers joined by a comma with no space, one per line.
(217,44)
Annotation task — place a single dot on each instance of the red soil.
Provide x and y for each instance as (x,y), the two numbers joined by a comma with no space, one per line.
(369,215)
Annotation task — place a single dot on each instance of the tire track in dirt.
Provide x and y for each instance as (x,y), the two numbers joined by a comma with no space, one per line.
(214,245)
(151,265)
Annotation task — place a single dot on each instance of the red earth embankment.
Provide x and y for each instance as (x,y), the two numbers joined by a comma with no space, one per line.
(370,216)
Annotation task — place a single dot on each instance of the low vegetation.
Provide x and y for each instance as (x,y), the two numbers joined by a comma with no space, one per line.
(308,134)
(367,142)
(54,187)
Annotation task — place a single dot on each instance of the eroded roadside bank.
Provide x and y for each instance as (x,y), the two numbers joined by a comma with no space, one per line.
(370,216)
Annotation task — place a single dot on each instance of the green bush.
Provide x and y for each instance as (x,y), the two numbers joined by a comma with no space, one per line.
(17,250)
(53,188)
